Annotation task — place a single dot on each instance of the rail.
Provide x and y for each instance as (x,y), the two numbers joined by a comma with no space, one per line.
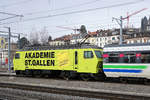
(90,93)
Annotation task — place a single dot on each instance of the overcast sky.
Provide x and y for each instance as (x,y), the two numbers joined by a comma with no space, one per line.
(94,14)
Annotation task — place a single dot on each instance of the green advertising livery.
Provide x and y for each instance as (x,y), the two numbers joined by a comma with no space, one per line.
(83,61)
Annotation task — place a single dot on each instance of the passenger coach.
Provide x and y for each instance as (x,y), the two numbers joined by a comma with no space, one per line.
(127,61)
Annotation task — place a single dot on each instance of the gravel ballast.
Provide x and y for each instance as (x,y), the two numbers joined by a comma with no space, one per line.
(119,87)
(14,94)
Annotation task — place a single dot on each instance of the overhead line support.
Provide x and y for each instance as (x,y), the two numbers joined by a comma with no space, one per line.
(120,22)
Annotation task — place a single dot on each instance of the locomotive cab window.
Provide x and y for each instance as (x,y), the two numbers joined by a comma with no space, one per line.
(17,56)
(98,54)
(88,54)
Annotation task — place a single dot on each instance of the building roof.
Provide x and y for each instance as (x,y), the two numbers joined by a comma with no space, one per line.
(63,38)
(92,33)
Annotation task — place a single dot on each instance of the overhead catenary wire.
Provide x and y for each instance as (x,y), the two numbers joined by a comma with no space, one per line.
(8,18)
(91,24)
(137,16)
(10,14)
(63,8)
(16,3)
(98,26)
(86,10)
(99,21)
(69,7)
(80,23)
(79,11)
(101,25)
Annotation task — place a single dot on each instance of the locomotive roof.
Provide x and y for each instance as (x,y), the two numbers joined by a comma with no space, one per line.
(50,47)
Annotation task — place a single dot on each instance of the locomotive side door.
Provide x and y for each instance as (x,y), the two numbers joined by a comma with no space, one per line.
(75,60)
(88,61)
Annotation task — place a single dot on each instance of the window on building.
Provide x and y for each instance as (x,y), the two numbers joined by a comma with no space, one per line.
(144,40)
(138,41)
(131,41)
(118,38)
(6,40)
(113,38)
(100,39)
(17,56)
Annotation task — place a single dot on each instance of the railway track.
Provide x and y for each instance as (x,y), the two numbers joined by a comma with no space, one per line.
(108,80)
(90,93)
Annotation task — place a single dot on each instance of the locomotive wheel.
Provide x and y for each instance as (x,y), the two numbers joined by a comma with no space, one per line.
(65,75)
(55,74)
(98,77)
(18,73)
(36,73)
(85,77)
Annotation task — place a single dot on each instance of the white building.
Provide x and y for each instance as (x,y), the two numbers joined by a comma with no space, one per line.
(97,38)
(56,42)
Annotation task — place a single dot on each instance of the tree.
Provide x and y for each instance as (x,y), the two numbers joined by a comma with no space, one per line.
(23,42)
(49,38)
(83,29)
(39,37)
(44,36)
(34,37)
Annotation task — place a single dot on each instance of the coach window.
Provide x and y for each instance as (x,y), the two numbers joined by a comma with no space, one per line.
(145,58)
(88,54)
(17,56)
(113,58)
